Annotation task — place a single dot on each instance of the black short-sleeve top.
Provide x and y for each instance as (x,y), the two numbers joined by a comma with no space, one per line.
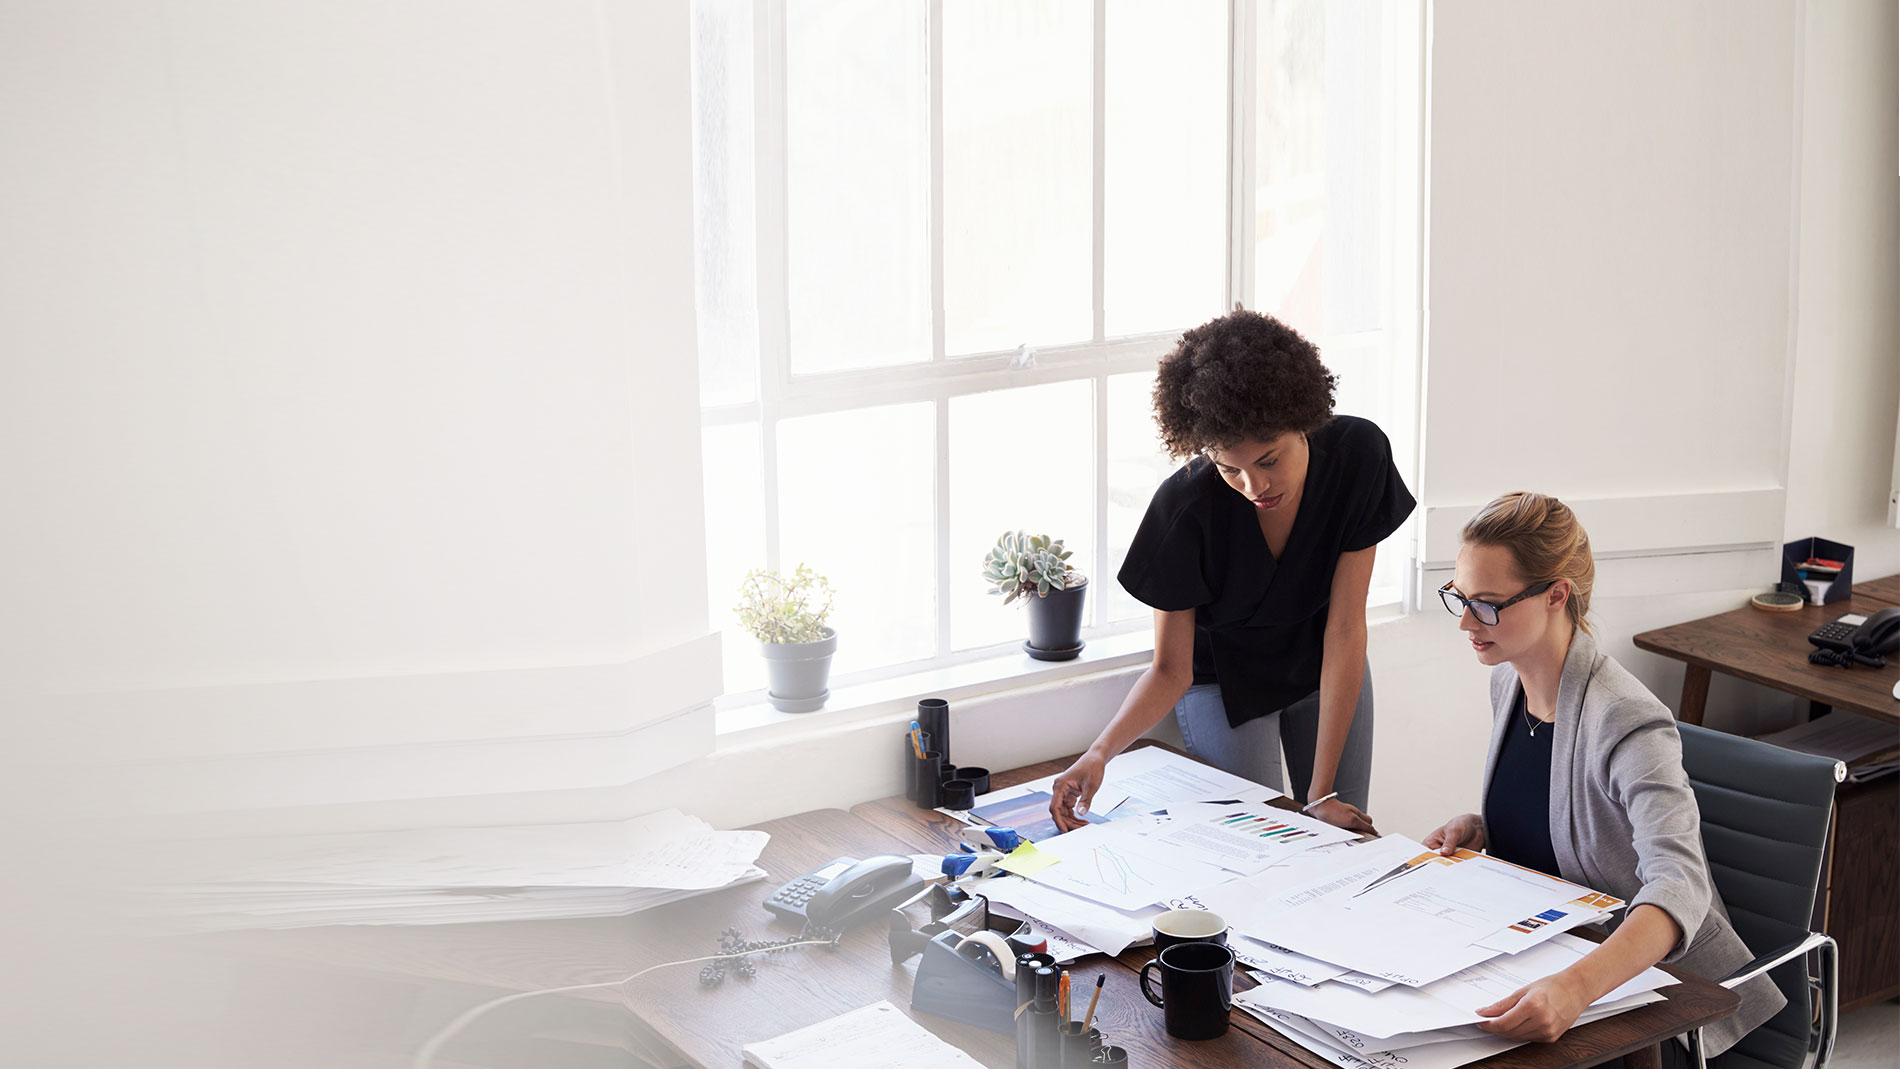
(1260,623)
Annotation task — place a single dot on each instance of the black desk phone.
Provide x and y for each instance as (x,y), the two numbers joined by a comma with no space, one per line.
(1875,636)
(845,892)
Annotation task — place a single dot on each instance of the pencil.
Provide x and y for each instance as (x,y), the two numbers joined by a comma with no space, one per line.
(914,744)
(1093,999)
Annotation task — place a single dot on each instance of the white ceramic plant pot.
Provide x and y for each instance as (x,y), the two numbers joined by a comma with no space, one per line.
(797,673)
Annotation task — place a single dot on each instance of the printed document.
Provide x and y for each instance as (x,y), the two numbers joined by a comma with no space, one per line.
(1417,924)
(879,1034)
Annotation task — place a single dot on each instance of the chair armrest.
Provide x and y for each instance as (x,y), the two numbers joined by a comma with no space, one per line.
(1770,960)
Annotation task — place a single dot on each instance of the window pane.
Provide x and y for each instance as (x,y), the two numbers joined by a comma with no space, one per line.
(723,203)
(735,541)
(1018,155)
(857,503)
(1321,207)
(1166,159)
(1136,466)
(1021,459)
(857,184)
(1368,389)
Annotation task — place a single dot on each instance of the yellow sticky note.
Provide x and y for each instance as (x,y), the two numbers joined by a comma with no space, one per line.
(1026,860)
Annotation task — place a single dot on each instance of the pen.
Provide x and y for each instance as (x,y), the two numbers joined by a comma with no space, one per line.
(914,744)
(1062,996)
(1093,999)
(1308,806)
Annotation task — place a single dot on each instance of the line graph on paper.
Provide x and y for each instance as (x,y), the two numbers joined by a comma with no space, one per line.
(1116,872)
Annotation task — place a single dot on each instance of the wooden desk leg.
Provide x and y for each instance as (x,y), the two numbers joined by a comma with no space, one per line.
(1649,1057)
(1695,693)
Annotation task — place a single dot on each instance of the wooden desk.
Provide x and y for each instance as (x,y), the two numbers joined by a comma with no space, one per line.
(408,982)
(1692,1003)
(1771,648)
(1859,901)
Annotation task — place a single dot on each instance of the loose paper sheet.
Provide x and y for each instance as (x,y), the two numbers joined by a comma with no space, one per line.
(879,1034)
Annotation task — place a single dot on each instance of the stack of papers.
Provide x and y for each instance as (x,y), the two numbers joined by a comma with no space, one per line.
(1382,955)
(1371,954)
(453,875)
(1161,826)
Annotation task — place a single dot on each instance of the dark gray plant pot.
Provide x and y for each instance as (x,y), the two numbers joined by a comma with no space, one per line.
(1055,623)
(797,672)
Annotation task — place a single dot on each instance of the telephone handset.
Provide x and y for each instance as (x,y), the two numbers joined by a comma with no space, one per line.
(845,892)
(1873,636)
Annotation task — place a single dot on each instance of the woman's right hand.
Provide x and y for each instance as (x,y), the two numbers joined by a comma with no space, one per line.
(1075,789)
(1458,833)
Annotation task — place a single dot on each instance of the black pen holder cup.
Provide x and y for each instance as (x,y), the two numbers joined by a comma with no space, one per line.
(929,783)
(947,771)
(1078,1045)
(1839,588)
(910,762)
(933,715)
(958,795)
(979,778)
(1110,1055)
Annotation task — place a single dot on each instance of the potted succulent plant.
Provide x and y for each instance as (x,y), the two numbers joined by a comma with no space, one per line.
(1036,568)
(787,616)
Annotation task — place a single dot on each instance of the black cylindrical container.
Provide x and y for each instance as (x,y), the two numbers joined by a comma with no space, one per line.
(933,715)
(1043,1041)
(1078,1044)
(958,794)
(929,786)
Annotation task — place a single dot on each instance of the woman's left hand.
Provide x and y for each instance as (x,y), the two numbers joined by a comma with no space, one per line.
(1537,1013)
(1343,815)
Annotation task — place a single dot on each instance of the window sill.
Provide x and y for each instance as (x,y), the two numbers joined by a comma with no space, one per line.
(744,719)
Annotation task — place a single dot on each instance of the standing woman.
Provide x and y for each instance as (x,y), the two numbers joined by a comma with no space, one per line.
(1584,779)
(1256,556)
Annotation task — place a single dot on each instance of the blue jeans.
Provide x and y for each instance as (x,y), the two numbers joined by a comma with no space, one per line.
(1253,749)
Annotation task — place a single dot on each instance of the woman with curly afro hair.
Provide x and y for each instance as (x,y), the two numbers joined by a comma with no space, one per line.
(1256,556)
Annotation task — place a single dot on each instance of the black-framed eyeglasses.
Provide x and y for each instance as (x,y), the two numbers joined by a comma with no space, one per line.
(1485,611)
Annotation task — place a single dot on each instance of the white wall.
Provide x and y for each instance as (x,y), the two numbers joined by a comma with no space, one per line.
(351,386)
(1847,358)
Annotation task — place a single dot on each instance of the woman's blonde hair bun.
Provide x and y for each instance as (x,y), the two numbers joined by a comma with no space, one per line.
(1546,540)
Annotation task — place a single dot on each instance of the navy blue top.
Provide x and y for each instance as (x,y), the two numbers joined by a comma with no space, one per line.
(1517,803)
(1260,623)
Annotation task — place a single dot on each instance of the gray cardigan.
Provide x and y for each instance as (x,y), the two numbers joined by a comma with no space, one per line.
(1623,819)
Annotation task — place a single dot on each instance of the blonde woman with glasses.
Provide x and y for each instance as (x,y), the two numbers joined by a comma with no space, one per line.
(1584,780)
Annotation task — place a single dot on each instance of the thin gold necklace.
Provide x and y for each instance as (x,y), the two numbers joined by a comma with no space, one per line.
(1531,720)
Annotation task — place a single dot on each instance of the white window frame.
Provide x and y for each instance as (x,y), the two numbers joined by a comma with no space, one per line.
(784,395)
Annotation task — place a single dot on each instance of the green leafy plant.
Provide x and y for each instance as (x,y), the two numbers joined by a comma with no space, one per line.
(1021,564)
(780,610)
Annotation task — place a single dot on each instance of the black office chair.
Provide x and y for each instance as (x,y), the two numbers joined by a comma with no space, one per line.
(1765,815)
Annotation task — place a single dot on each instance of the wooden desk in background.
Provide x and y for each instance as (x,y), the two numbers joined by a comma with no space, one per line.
(1860,906)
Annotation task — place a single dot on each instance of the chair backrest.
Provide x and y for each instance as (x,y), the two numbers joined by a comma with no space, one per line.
(1765,813)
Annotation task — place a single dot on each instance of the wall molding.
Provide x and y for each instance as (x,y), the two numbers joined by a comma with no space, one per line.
(1714,521)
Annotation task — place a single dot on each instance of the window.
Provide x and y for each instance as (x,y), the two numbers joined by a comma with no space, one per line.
(942,243)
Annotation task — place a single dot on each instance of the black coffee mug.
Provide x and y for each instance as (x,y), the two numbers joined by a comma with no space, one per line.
(1197,989)
(1178,926)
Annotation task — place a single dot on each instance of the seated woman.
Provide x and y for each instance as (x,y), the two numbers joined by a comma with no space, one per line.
(1584,780)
